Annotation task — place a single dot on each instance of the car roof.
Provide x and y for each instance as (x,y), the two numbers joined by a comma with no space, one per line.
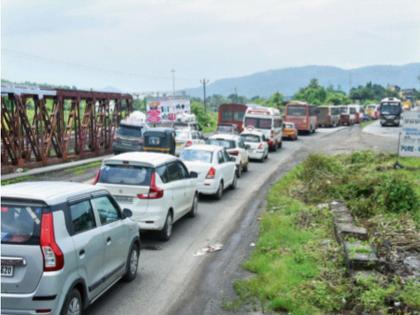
(50,192)
(226,136)
(204,147)
(146,158)
(252,132)
(160,129)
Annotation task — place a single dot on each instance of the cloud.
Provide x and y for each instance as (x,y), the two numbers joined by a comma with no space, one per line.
(143,40)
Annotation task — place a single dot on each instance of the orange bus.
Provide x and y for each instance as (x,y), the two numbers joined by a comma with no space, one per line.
(232,114)
(303,115)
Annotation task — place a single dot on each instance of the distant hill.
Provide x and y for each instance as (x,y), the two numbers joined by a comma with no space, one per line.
(289,80)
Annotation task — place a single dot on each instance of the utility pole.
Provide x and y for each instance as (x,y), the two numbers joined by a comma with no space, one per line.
(173,82)
(204,83)
(236,95)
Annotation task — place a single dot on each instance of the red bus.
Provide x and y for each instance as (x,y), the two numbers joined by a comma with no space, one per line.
(232,114)
(303,115)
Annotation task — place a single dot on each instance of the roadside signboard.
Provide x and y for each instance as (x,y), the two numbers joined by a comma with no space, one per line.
(409,144)
(167,108)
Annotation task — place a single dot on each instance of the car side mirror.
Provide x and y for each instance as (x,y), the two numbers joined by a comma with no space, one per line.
(233,159)
(193,174)
(265,138)
(247,146)
(127,213)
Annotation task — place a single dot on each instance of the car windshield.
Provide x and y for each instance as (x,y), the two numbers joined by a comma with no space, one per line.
(227,144)
(250,138)
(20,224)
(197,155)
(289,126)
(130,131)
(222,128)
(182,135)
(390,108)
(260,123)
(296,110)
(125,175)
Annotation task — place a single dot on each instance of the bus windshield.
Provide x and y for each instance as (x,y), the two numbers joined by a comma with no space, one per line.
(260,123)
(296,111)
(390,108)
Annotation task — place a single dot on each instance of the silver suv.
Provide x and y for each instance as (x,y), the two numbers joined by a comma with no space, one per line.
(62,246)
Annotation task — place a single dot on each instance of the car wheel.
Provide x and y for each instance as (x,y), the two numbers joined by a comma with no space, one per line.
(132,263)
(166,232)
(234,182)
(194,207)
(239,171)
(72,304)
(245,168)
(280,145)
(219,193)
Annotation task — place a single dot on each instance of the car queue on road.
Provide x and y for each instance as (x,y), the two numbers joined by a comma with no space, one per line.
(65,244)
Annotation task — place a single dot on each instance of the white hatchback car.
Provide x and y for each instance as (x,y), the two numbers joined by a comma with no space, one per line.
(235,146)
(216,169)
(258,148)
(185,138)
(158,188)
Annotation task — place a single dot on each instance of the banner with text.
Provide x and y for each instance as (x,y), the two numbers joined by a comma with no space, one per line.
(410,135)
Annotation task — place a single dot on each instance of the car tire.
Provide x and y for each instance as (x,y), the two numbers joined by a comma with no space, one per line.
(239,171)
(280,145)
(245,168)
(234,182)
(194,207)
(132,263)
(166,232)
(73,303)
(219,193)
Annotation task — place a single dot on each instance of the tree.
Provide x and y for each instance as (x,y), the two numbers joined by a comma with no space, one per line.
(276,100)
(313,93)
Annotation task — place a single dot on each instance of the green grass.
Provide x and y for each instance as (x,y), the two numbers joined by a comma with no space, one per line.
(17,180)
(297,266)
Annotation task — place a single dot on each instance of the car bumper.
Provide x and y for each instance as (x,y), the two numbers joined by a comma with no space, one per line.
(256,155)
(121,148)
(24,304)
(150,217)
(208,187)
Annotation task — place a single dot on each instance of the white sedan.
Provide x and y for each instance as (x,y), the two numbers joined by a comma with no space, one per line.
(185,138)
(235,146)
(257,147)
(216,169)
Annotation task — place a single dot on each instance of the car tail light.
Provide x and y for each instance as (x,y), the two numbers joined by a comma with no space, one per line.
(211,173)
(188,143)
(260,146)
(96,179)
(235,153)
(53,256)
(154,191)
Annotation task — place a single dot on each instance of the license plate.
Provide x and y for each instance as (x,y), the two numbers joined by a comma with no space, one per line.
(6,271)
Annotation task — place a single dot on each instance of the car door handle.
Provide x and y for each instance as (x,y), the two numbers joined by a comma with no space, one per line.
(81,253)
(108,240)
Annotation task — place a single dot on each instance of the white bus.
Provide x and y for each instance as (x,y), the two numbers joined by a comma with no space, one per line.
(268,121)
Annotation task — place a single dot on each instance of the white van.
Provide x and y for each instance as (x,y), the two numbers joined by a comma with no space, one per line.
(266,120)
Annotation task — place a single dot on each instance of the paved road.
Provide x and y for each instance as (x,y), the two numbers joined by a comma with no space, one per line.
(170,276)
(376,129)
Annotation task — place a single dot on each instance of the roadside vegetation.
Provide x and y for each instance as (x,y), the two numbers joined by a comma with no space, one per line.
(297,266)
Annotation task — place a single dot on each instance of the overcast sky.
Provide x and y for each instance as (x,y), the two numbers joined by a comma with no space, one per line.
(133,44)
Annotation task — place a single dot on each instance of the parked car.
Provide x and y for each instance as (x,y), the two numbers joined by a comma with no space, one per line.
(62,246)
(290,131)
(128,138)
(185,138)
(157,187)
(235,146)
(216,169)
(256,143)
(160,140)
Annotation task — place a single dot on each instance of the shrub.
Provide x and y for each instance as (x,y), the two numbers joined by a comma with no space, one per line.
(396,193)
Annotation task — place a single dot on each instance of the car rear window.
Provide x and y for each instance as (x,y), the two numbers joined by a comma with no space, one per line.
(197,155)
(20,224)
(130,131)
(125,175)
(250,138)
(227,144)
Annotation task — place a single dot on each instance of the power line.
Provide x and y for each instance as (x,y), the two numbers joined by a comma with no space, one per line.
(92,67)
